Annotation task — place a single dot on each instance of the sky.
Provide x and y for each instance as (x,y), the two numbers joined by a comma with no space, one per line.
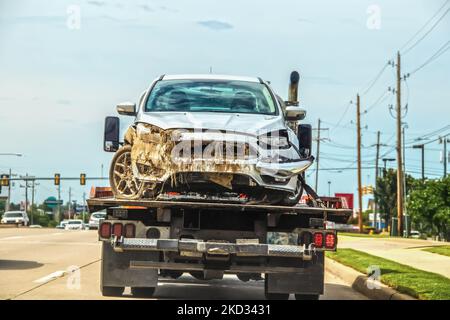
(64,65)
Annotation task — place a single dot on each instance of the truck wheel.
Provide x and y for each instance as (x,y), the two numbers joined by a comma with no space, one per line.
(299,296)
(274,296)
(143,292)
(112,291)
(123,184)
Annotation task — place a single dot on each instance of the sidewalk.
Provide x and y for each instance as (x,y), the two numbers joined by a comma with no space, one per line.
(405,251)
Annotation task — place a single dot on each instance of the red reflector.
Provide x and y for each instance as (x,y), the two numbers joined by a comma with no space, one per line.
(330,240)
(318,239)
(117,229)
(105,230)
(129,230)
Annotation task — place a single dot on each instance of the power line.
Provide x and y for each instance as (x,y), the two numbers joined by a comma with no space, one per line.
(423,27)
(377,77)
(381,98)
(436,55)
(343,115)
(427,33)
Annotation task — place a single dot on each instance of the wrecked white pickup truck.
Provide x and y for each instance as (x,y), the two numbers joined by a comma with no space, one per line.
(212,135)
(196,187)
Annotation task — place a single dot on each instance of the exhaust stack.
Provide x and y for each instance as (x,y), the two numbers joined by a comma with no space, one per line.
(293,89)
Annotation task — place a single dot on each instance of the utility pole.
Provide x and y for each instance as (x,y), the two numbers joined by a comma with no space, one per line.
(84,203)
(399,153)
(9,192)
(26,193)
(317,155)
(70,200)
(358,133)
(32,200)
(376,180)
(59,205)
(445,156)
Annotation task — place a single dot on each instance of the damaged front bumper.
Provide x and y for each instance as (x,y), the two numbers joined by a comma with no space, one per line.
(213,153)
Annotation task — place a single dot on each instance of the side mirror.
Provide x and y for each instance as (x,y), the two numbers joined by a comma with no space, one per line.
(111,136)
(294,113)
(304,134)
(126,108)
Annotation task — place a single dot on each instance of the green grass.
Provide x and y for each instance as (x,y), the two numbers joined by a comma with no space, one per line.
(416,283)
(443,250)
(363,235)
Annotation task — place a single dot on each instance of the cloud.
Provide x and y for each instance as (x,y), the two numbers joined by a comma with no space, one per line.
(63,102)
(146,8)
(215,25)
(305,20)
(96,3)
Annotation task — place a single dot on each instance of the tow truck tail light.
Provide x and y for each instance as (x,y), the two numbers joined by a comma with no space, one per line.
(105,230)
(130,230)
(117,229)
(330,240)
(318,239)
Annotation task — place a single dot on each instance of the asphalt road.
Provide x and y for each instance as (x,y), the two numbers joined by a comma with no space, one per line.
(37,264)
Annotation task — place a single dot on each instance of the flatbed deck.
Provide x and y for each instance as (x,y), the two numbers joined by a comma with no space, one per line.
(97,204)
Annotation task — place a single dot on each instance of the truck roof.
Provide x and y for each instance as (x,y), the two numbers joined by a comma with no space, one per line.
(209,77)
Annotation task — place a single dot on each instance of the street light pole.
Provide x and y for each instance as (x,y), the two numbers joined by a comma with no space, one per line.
(422,147)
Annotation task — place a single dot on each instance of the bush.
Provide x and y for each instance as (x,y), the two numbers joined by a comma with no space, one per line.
(52,224)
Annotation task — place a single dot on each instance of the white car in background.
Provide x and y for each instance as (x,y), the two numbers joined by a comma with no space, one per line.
(15,217)
(94,220)
(74,225)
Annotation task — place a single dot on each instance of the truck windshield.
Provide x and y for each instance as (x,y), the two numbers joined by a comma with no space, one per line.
(13,215)
(211,96)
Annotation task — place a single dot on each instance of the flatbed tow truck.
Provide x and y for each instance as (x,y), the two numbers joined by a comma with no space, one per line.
(147,239)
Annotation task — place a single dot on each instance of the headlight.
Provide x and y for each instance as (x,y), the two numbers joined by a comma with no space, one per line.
(274,140)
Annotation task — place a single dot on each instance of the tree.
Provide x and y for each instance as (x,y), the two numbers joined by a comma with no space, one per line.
(429,206)
(386,193)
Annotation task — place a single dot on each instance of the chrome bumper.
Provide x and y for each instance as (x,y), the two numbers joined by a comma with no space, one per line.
(193,247)
(283,169)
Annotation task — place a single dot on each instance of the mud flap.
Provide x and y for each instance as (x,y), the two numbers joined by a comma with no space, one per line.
(116,272)
(309,281)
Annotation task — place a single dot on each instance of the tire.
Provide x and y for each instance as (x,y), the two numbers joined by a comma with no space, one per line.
(120,172)
(274,296)
(299,296)
(292,200)
(112,291)
(143,292)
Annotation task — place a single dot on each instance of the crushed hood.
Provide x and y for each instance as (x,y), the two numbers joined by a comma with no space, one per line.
(239,122)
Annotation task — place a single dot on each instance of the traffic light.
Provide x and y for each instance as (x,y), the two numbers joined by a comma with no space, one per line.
(82,179)
(57,179)
(4,180)
(367,189)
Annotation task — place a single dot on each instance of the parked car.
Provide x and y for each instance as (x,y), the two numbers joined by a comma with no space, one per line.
(414,234)
(75,224)
(95,218)
(242,130)
(15,217)
(62,224)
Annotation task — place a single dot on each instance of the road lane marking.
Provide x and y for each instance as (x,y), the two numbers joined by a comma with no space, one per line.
(44,283)
(50,277)
(12,238)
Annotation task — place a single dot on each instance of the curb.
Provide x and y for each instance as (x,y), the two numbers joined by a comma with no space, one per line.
(359,282)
